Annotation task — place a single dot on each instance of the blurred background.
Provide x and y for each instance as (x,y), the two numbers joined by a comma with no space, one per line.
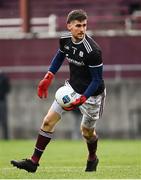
(29,33)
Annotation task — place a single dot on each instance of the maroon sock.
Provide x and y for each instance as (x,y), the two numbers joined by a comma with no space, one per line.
(41,143)
(92,147)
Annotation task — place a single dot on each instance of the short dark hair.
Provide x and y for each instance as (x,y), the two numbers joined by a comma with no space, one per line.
(78,14)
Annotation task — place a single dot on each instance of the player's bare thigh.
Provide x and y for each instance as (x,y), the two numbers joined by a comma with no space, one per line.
(50,121)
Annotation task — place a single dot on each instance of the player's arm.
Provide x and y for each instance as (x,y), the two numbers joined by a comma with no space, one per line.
(54,67)
(57,61)
(96,73)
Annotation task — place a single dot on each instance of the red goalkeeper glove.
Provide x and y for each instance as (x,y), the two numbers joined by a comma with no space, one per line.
(44,84)
(78,102)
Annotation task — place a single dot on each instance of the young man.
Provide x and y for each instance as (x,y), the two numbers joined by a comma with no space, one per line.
(85,62)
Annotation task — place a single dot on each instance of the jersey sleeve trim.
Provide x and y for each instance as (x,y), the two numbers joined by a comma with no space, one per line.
(61,51)
(96,65)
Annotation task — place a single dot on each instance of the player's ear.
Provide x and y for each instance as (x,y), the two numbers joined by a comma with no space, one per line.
(69,26)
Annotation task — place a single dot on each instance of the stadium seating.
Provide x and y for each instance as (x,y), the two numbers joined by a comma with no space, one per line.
(102,14)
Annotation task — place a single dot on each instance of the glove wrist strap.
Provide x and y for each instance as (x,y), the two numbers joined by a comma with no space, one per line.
(49,75)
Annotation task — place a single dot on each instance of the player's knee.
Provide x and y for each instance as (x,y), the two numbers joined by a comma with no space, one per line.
(48,123)
(87,133)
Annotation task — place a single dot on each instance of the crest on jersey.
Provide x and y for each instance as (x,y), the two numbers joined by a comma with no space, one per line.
(81,53)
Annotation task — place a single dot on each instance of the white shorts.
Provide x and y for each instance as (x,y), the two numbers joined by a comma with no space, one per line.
(91,110)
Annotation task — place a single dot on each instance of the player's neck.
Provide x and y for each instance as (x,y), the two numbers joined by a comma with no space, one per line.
(77,40)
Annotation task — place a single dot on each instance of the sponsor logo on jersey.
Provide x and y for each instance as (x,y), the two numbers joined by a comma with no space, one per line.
(75,62)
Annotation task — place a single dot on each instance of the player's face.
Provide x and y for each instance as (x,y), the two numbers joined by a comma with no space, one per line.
(78,29)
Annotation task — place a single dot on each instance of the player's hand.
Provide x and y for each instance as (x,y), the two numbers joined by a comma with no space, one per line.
(78,102)
(42,89)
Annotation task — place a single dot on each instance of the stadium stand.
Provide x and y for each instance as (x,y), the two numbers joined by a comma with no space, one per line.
(9,9)
(102,15)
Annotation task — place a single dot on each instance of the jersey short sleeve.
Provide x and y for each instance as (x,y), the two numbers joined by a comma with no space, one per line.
(65,38)
(94,54)
(94,58)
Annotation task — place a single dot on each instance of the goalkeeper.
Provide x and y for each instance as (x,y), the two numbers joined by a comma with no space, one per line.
(86,78)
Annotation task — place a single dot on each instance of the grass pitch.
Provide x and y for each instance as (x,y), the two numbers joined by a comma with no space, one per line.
(119,159)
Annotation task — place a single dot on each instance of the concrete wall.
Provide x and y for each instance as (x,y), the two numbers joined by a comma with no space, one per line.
(121,118)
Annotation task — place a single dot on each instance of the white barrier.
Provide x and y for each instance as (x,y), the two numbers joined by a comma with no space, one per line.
(38,24)
(117,68)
